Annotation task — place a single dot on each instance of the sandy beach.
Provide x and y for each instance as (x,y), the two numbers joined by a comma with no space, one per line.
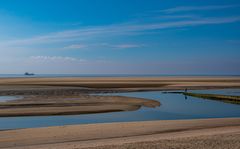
(63,96)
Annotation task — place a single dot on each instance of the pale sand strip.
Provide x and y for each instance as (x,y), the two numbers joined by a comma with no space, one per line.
(115,133)
(200,139)
(126,82)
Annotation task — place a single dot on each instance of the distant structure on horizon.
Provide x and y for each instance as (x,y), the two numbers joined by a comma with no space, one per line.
(28,74)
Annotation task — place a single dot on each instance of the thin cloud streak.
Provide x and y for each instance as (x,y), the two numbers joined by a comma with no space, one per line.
(197,8)
(178,17)
(127,46)
(75,46)
(55,59)
(115,30)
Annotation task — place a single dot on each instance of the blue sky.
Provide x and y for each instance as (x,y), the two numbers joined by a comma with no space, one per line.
(120,36)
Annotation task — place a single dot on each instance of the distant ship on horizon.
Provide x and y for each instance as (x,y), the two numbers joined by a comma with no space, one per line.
(28,74)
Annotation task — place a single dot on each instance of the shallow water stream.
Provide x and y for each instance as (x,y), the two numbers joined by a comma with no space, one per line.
(8,98)
(173,106)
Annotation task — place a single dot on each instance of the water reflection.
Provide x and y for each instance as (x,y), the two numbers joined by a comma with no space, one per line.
(173,106)
(8,98)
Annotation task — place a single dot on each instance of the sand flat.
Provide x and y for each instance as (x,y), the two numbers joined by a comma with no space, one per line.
(94,135)
(52,88)
(124,82)
(72,105)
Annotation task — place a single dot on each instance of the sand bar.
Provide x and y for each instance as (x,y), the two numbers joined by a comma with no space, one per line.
(72,105)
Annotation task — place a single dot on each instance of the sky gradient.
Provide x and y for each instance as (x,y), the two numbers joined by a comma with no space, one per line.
(120,37)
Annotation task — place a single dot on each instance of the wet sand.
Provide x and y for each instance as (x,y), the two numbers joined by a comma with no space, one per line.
(169,134)
(71,105)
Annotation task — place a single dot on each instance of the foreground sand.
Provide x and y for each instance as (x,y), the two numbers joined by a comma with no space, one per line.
(166,134)
(221,140)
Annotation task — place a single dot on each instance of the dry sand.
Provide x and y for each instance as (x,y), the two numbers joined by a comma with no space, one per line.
(125,82)
(154,134)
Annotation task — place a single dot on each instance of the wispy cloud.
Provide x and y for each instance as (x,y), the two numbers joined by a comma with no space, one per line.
(197,8)
(88,34)
(127,46)
(185,16)
(75,46)
(116,30)
(55,59)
